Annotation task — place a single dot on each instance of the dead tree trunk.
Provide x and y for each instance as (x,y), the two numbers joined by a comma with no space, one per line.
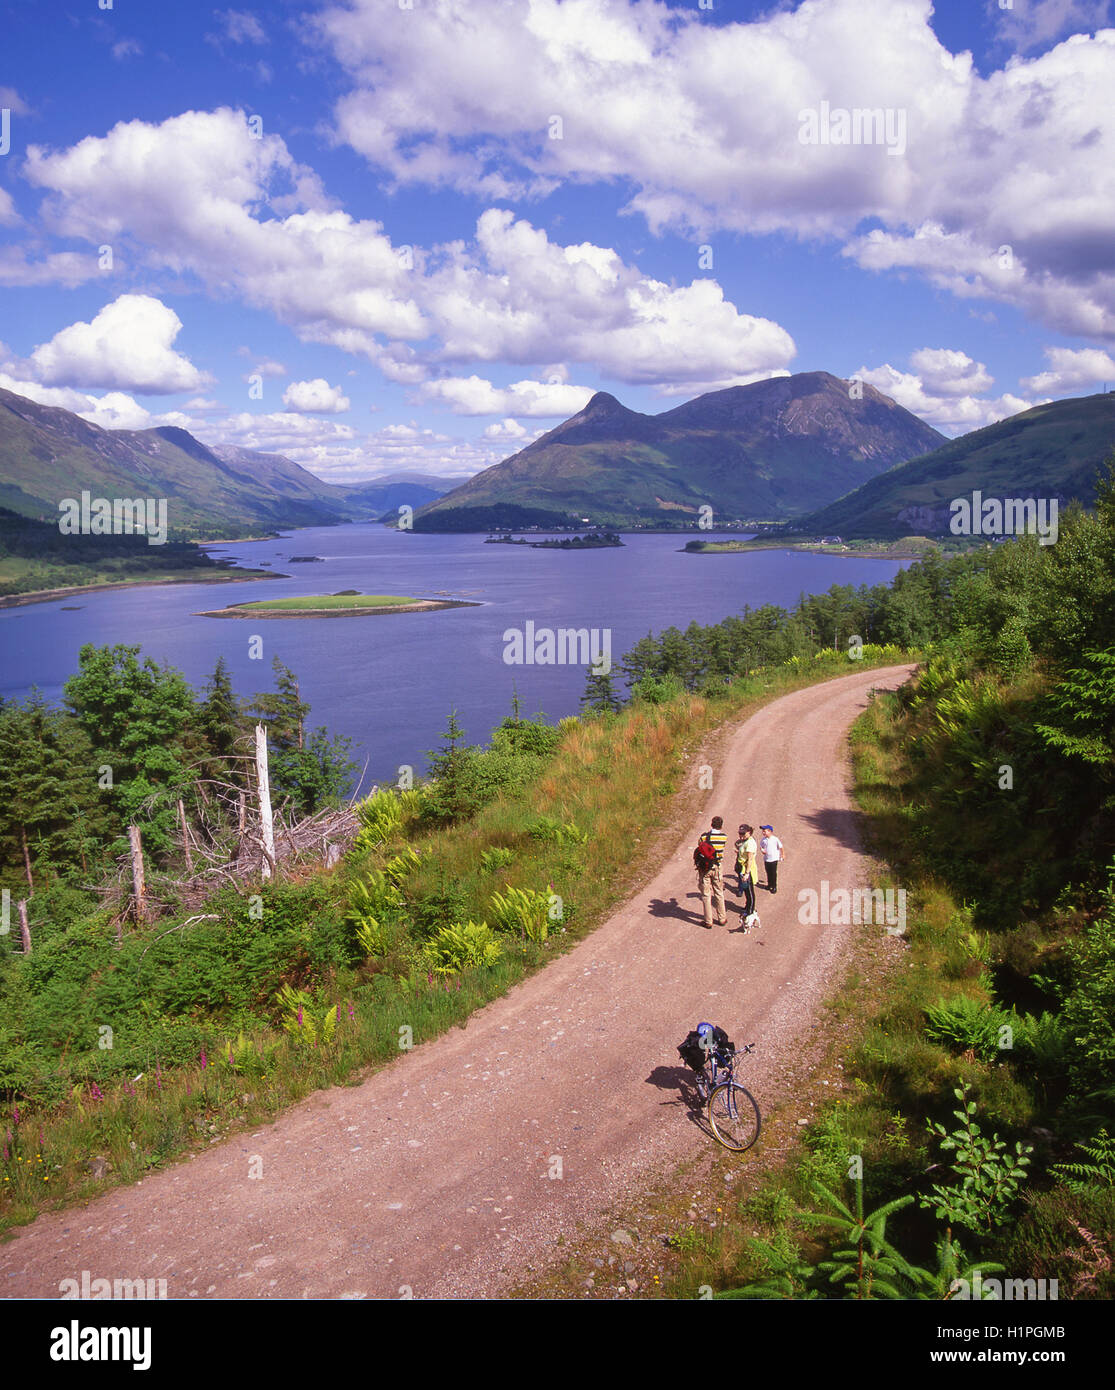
(26,858)
(266,825)
(185,838)
(24,927)
(139,885)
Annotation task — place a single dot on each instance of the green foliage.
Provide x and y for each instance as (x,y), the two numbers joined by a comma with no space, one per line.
(1087,1012)
(373,938)
(466,778)
(1080,713)
(307,769)
(402,866)
(308,1023)
(385,813)
(373,897)
(657,690)
(989,1175)
(599,696)
(52,814)
(496,859)
(134,714)
(522,910)
(555,832)
(865,1264)
(1099,1172)
(966,1024)
(466,946)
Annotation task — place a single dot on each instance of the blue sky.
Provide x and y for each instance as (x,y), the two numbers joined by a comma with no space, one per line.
(384,235)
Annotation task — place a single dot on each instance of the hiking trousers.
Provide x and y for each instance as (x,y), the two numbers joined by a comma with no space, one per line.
(712,893)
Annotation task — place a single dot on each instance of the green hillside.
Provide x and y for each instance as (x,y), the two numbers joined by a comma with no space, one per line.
(769,450)
(47,454)
(1051,451)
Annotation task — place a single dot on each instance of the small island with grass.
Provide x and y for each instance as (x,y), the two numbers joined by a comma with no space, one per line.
(346,604)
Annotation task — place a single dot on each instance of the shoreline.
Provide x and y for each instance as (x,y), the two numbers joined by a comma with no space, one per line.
(421,606)
(881,552)
(69,591)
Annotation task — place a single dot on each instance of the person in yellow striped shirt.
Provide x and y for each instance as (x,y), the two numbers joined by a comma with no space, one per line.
(711,880)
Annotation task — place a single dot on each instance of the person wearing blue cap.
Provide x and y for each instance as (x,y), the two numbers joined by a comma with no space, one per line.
(773,852)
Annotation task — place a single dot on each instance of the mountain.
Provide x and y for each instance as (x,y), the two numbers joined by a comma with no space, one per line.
(47,454)
(1050,451)
(769,450)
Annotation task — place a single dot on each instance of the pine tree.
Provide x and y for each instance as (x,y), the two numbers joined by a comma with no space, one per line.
(52,814)
(219,716)
(599,694)
(283,710)
(136,715)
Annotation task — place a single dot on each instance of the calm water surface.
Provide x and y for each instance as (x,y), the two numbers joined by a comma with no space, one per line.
(389,682)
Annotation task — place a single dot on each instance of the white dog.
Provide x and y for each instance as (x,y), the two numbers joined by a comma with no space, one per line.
(751,920)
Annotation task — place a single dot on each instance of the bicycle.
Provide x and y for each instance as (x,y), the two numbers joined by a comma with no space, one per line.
(733,1112)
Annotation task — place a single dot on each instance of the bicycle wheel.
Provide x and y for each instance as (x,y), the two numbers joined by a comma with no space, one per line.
(734,1116)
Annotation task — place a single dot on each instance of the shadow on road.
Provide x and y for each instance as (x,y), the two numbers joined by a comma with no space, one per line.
(682,1082)
(841,825)
(670,907)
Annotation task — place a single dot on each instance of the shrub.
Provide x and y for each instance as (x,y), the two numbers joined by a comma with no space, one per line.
(523,910)
(463,947)
(556,832)
(497,858)
(657,690)
(965,1024)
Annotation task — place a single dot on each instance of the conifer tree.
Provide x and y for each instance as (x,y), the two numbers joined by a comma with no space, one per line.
(599,694)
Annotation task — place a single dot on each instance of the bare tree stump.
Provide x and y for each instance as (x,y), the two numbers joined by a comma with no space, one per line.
(139,883)
(266,824)
(185,838)
(24,927)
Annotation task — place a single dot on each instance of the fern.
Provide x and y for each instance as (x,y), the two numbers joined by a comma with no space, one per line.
(524,910)
(1082,1178)
(399,868)
(464,946)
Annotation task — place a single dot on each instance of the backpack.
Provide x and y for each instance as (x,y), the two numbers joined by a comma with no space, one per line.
(694,1055)
(704,856)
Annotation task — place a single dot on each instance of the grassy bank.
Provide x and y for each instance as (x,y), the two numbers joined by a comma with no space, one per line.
(118,1059)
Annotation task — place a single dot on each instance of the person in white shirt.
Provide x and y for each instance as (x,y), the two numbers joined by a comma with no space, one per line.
(773,852)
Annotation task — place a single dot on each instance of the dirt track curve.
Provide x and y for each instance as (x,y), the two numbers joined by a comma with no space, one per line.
(435,1173)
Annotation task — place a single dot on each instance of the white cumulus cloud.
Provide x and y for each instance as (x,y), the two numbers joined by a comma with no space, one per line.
(316,397)
(699,124)
(1072,368)
(473,395)
(127,345)
(198,195)
(946,410)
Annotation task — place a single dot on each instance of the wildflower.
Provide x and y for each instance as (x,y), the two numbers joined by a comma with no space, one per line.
(204,1058)
(15,1113)
(300,1015)
(351,1012)
(95,1093)
(338,1013)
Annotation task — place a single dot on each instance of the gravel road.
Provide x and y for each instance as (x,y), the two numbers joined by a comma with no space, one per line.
(447,1173)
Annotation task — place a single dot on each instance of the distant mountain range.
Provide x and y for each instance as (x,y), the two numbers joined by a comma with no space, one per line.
(770,450)
(47,454)
(1053,450)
